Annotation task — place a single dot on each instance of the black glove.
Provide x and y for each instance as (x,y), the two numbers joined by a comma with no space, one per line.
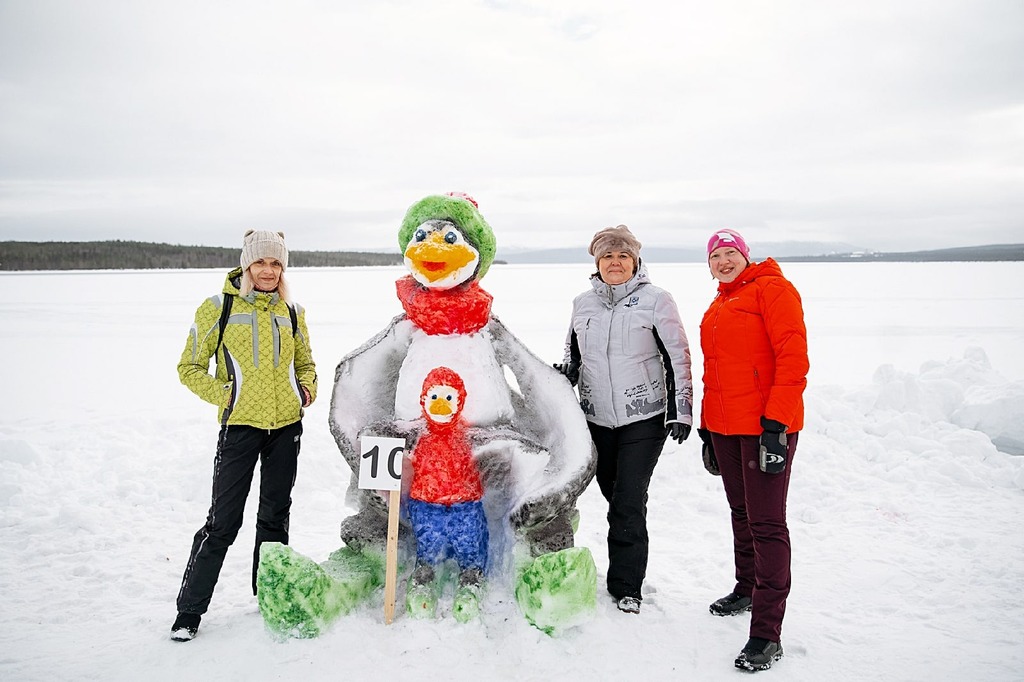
(707,452)
(773,446)
(677,432)
(571,370)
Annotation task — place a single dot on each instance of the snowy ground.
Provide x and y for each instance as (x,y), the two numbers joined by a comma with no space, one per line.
(905,517)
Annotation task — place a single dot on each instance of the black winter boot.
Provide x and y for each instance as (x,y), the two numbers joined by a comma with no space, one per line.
(629,605)
(731,604)
(185,627)
(759,654)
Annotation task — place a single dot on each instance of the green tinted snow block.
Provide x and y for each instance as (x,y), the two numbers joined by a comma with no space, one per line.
(421,600)
(299,598)
(347,564)
(466,604)
(558,590)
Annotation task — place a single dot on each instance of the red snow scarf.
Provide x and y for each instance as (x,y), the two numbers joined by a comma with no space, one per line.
(755,353)
(460,310)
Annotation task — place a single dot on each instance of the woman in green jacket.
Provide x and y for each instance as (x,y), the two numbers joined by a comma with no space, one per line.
(264,377)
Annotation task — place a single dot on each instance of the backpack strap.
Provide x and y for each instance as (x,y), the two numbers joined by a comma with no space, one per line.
(225,313)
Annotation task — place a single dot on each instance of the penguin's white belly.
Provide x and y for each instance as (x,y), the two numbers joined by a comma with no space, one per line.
(471,356)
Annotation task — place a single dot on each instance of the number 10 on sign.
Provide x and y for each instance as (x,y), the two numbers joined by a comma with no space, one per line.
(380,463)
(380,468)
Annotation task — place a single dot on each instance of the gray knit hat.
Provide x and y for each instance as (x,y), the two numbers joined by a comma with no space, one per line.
(617,238)
(263,244)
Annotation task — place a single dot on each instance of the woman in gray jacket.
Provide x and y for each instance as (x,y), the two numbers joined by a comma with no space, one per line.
(628,352)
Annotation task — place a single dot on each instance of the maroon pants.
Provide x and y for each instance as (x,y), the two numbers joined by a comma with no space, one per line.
(759,530)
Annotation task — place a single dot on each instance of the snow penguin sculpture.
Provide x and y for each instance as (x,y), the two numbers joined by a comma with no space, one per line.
(528,436)
(538,452)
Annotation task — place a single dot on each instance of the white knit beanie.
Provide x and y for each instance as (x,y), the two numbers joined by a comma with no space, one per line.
(263,244)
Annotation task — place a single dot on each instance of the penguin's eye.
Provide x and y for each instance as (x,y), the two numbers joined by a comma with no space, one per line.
(449,398)
(433,396)
(451,237)
(420,235)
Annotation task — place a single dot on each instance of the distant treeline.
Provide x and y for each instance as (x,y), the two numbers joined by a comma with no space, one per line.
(991,252)
(127,255)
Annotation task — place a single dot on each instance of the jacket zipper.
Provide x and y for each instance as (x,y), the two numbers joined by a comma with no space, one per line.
(718,376)
(760,392)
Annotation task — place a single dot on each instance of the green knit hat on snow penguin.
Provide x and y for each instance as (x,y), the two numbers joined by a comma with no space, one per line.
(462,210)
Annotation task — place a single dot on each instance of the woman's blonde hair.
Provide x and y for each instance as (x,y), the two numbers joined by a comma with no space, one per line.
(248,285)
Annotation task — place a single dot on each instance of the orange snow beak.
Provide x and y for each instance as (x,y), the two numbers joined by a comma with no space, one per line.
(441,403)
(435,259)
(440,407)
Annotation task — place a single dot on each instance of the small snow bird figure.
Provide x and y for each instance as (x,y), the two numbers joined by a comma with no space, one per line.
(445,500)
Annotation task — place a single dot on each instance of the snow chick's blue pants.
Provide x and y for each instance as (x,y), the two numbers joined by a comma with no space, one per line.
(457,531)
(626,457)
(238,450)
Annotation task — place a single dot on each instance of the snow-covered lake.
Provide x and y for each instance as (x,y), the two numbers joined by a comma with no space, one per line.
(904,507)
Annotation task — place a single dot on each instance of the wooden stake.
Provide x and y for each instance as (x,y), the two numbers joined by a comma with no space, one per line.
(391,570)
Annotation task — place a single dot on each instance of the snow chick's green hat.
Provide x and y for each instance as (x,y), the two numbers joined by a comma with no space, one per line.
(459,208)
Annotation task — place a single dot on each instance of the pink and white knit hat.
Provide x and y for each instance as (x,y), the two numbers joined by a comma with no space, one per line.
(725,237)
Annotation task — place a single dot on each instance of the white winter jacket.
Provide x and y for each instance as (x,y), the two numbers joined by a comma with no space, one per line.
(635,359)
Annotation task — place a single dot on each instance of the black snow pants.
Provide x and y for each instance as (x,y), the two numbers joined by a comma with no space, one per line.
(626,457)
(238,450)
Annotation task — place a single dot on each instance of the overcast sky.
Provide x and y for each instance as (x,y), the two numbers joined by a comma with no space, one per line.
(887,124)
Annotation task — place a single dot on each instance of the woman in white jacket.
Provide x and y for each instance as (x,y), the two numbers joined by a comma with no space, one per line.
(628,352)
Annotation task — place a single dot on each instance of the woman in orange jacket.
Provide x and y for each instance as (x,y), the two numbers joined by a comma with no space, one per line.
(755,371)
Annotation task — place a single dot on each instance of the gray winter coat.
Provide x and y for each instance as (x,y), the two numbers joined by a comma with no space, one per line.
(635,359)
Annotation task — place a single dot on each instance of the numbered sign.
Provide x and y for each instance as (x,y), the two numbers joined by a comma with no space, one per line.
(380,468)
(380,463)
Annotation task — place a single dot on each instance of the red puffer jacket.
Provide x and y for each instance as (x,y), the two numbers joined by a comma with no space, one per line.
(755,353)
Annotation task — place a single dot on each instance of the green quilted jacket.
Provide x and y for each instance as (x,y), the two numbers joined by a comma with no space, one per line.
(261,366)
